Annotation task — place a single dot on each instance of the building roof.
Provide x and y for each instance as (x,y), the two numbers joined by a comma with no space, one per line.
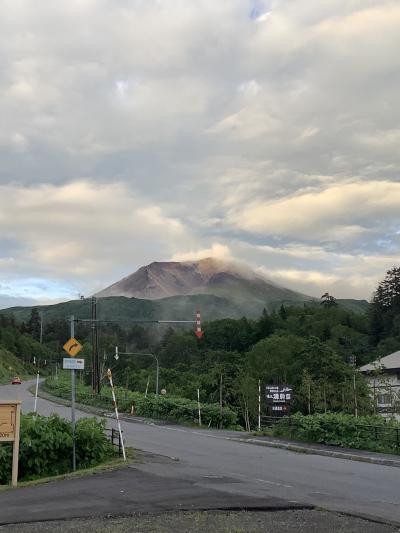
(389,362)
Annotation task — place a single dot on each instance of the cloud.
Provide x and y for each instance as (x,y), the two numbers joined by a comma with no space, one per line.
(13,301)
(81,232)
(217,250)
(338,212)
(164,127)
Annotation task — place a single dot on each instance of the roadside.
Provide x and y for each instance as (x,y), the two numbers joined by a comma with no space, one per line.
(307,521)
(210,460)
(274,442)
(124,491)
(352,454)
(111,464)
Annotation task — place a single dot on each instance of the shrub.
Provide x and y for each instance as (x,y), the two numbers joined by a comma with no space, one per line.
(365,432)
(161,407)
(46,447)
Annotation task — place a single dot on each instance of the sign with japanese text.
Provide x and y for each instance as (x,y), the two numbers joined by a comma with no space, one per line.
(73,364)
(10,413)
(279,398)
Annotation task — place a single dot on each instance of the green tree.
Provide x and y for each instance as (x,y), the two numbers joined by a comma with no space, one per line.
(273,359)
(385,306)
(328,300)
(34,324)
(282,312)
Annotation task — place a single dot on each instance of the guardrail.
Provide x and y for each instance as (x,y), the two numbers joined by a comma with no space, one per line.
(115,439)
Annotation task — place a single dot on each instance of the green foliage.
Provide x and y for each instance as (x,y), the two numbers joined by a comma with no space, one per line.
(161,407)
(366,432)
(46,447)
(328,300)
(385,307)
(15,341)
(9,366)
(33,326)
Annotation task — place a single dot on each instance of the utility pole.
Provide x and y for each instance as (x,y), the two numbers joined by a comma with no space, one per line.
(220,402)
(72,335)
(259,405)
(95,349)
(353,362)
(95,356)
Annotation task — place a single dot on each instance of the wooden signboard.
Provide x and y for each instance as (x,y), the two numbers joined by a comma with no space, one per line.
(10,413)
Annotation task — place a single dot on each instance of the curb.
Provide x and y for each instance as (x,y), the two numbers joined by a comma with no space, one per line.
(320,451)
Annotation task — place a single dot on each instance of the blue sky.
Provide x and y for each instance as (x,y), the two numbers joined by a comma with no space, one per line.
(262,131)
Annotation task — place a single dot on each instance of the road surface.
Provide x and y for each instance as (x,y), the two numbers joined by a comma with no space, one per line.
(208,457)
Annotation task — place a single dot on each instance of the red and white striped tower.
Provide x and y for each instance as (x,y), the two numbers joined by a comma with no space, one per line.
(198,332)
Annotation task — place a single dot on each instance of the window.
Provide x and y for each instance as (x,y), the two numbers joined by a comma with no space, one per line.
(384,399)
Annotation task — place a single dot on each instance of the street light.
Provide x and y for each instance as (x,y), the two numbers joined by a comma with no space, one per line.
(117,354)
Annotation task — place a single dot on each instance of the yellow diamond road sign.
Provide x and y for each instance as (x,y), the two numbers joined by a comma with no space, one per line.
(72,347)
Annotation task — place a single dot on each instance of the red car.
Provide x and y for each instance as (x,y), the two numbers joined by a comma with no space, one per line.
(16,381)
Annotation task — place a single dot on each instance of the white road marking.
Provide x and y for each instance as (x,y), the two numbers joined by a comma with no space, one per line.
(274,483)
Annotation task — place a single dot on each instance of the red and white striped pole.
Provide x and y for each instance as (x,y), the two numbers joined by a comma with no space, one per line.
(109,375)
(198,332)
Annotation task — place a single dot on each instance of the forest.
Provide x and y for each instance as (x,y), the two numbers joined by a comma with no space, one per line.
(312,348)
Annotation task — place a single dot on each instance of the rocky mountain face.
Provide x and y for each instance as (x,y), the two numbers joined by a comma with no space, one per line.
(207,276)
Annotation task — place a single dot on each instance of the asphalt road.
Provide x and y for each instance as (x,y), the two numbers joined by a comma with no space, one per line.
(214,462)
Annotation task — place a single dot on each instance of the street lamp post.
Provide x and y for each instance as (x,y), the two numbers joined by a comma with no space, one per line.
(117,354)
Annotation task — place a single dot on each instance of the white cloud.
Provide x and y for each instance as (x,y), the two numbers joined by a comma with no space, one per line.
(343,212)
(82,232)
(217,250)
(201,125)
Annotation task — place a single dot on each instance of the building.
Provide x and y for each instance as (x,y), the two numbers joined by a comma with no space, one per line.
(383,376)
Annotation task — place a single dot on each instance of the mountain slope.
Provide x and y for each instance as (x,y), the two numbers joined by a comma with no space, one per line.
(122,309)
(208,276)
(10,366)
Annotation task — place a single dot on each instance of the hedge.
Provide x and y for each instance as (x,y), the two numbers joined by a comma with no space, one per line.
(152,406)
(364,432)
(46,447)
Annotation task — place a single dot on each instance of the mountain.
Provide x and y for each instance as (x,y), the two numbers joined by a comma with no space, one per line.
(173,291)
(225,279)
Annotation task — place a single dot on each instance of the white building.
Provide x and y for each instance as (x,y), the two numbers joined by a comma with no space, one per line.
(383,376)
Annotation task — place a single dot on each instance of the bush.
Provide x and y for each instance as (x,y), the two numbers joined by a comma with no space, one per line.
(162,407)
(364,432)
(46,447)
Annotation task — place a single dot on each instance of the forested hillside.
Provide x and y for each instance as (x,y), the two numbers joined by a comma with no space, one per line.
(19,349)
(309,347)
